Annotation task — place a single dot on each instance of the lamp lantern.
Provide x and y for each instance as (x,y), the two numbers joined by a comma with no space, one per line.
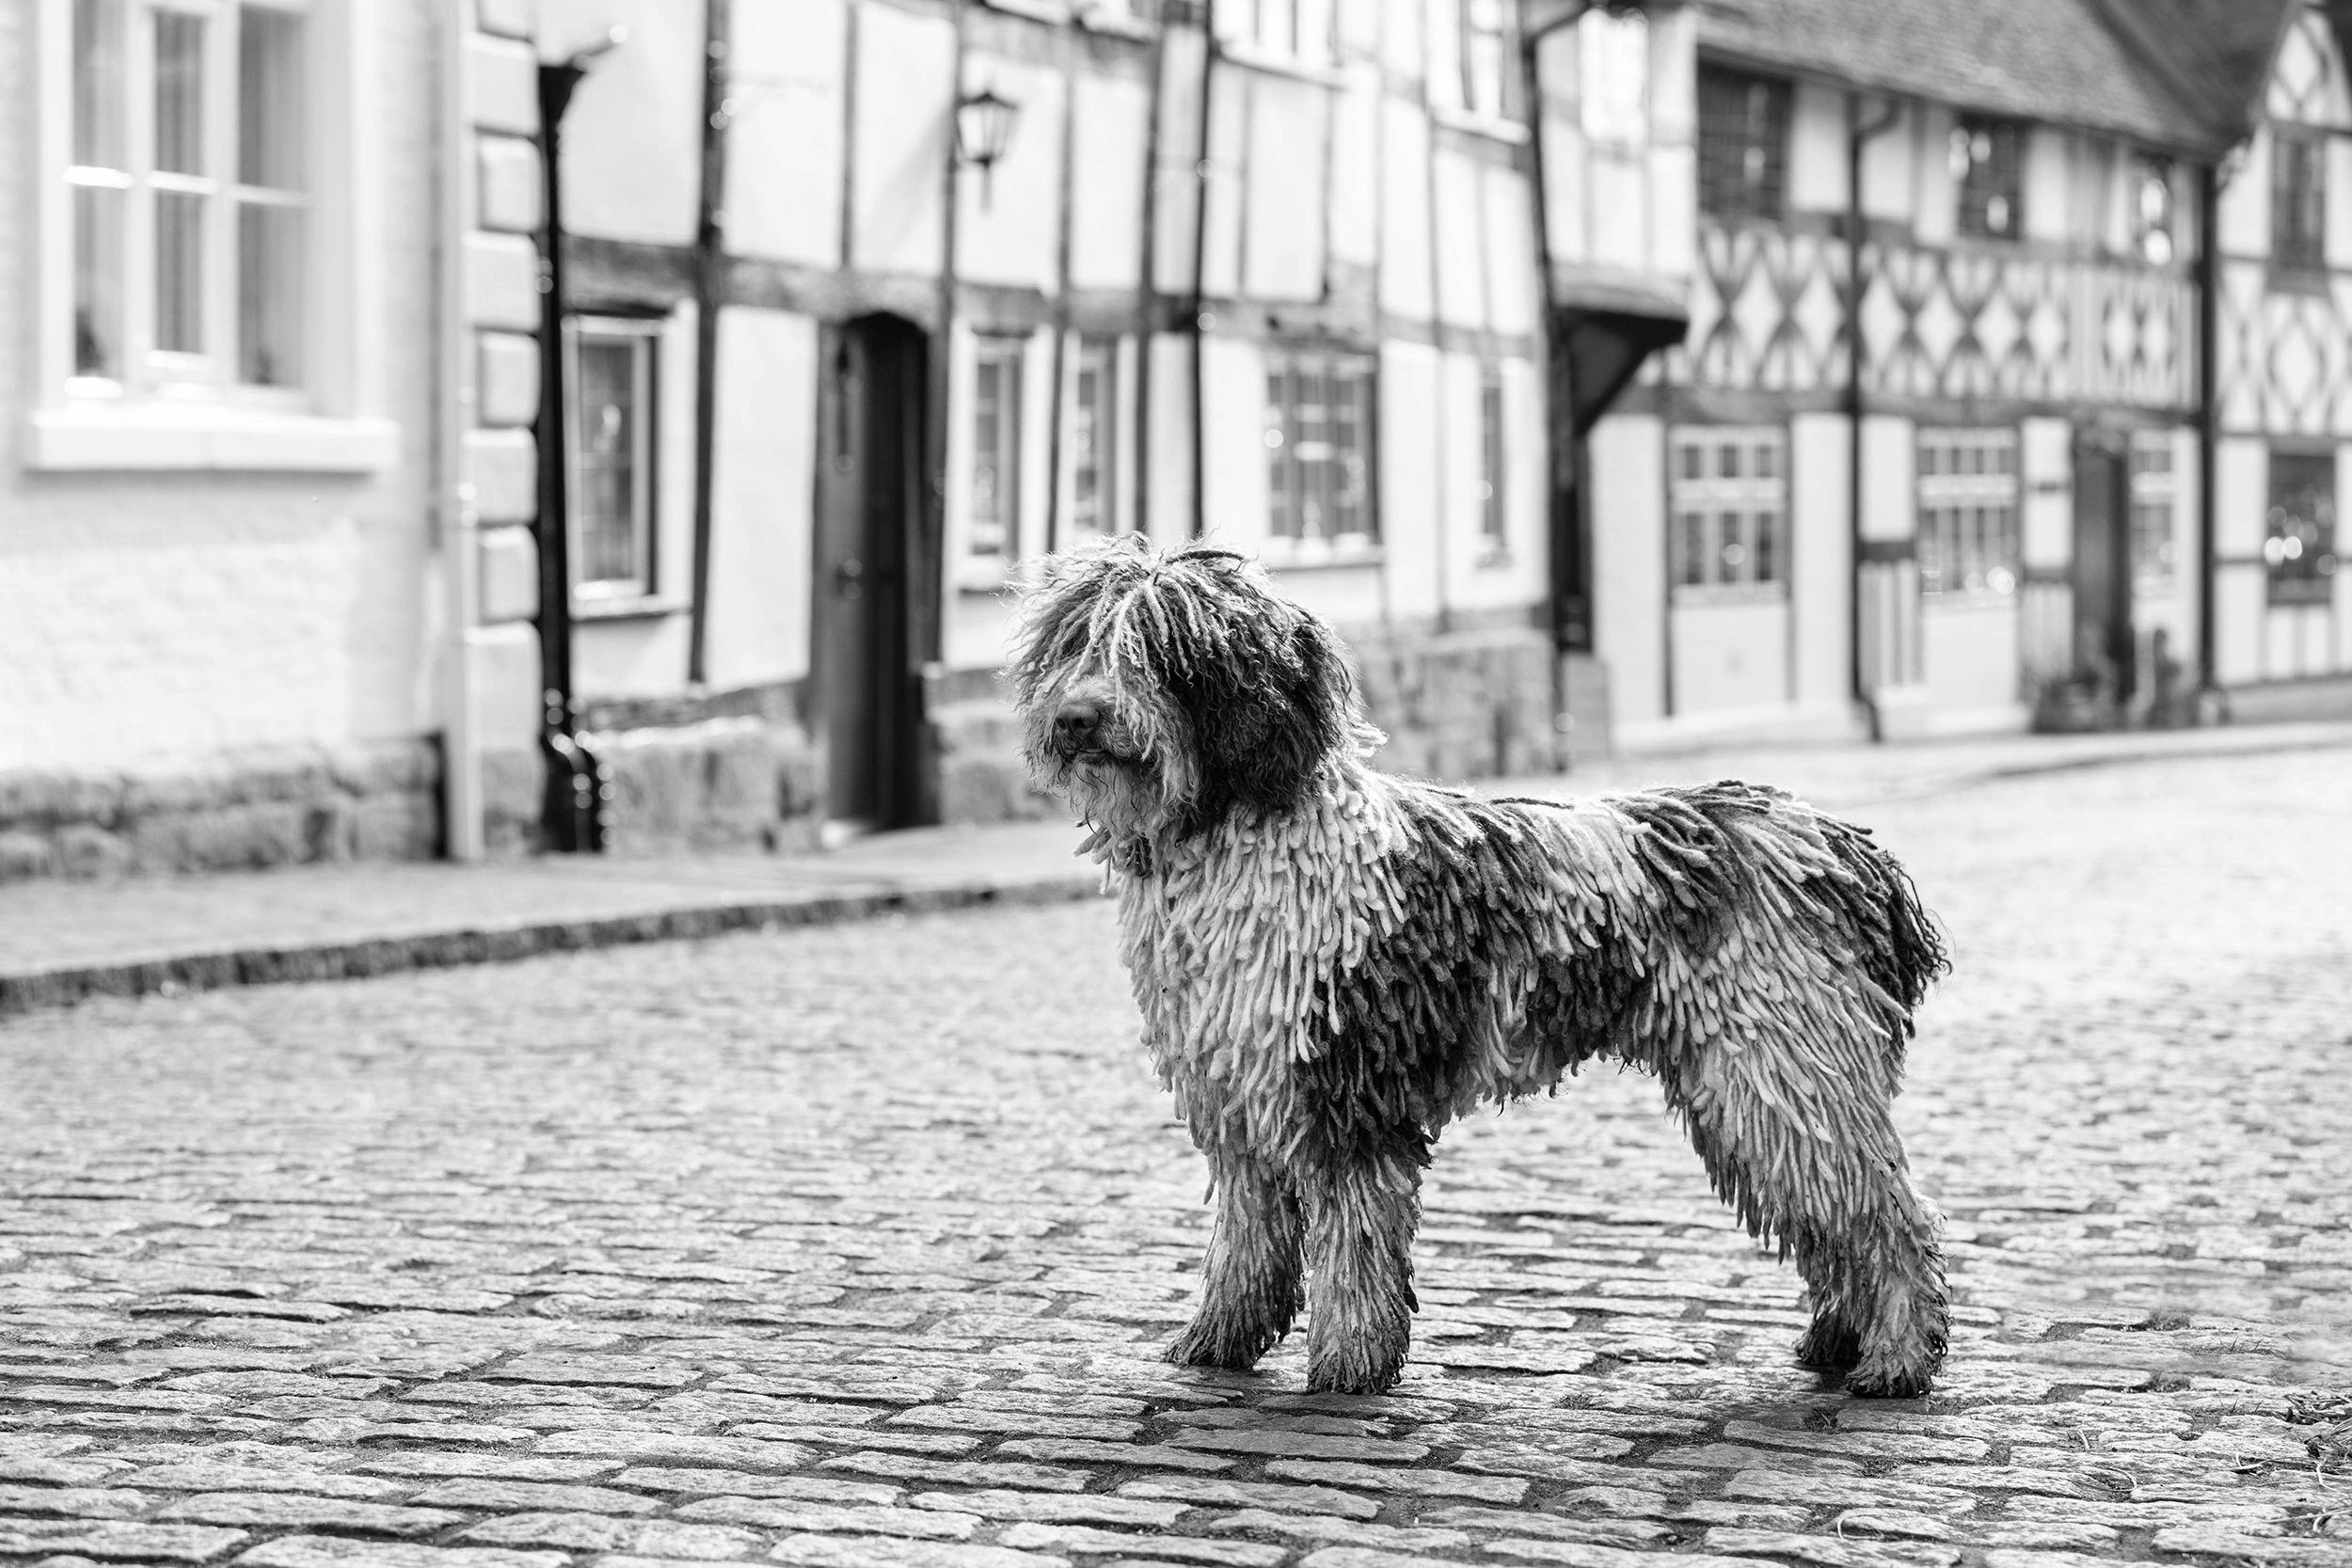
(984,123)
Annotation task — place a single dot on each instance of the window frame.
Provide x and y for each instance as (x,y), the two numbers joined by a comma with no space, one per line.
(614,595)
(1287,498)
(2154,512)
(1706,506)
(2003,165)
(1097,357)
(329,423)
(2307,577)
(1950,507)
(1490,84)
(1001,352)
(1766,145)
(2298,231)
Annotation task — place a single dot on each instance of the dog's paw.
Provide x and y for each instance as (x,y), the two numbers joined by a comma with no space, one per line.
(1829,1346)
(1208,1344)
(1889,1380)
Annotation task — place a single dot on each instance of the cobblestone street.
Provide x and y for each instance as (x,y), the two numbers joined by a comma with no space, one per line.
(858,1245)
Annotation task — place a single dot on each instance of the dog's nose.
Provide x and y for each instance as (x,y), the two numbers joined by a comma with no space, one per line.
(1077,723)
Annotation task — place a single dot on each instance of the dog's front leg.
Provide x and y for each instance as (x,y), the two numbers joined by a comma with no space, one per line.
(1361,1239)
(1251,1280)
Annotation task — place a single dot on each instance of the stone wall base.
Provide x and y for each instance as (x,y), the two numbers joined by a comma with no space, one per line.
(719,785)
(235,812)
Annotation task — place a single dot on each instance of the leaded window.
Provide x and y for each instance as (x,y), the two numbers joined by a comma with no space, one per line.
(1744,143)
(1493,528)
(1093,437)
(2151,209)
(1318,440)
(1729,499)
(1987,168)
(2154,495)
(2300,549)
(611,366)
(2299,199)
(1968,530)
(995,511)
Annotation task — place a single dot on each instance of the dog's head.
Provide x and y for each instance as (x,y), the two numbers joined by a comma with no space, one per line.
(1161,691)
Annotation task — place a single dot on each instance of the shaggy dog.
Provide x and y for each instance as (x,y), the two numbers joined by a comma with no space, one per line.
(1332,963)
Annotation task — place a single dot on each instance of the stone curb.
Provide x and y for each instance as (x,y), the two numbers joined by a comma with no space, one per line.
(1972,778)
(362,958)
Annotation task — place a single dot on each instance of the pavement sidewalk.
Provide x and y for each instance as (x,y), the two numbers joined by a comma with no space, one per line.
(60,940)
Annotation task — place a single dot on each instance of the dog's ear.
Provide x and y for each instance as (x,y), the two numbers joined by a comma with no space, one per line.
(1268,712)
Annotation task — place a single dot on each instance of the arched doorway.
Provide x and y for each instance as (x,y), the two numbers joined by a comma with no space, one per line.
(875,570)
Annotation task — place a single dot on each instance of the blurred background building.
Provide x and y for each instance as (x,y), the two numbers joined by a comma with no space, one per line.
(348,515)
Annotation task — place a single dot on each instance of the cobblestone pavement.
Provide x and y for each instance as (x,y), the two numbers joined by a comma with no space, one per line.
(856,1245)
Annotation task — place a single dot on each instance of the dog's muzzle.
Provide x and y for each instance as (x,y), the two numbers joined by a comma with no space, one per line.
(1078,729)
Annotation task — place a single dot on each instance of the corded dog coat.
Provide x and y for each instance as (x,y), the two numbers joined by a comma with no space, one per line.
(1332,963)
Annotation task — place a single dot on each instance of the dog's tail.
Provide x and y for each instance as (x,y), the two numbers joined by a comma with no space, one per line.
(1902,951)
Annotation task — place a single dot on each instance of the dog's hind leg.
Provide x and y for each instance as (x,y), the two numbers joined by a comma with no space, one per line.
(1804,1146)
(1359,1323)
(1251,1280)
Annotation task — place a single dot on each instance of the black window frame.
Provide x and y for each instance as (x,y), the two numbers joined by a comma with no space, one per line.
(1744,143)
(1985,175)
(1292,372)
(2299,216)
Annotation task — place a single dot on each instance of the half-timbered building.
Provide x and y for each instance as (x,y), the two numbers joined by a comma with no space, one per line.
(1936,452)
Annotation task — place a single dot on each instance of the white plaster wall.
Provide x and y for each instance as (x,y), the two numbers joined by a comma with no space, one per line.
(1628,562)
(1673,210)
(1106,158)
(1176,181)
(784,148)
(1619,194)
(633,140)
(1288,123)
(1356,167)
(1514,299)
(1822,581)
(2243,220)
(763,490)
(1817,150)
(1234,459)
(1168,365)
(2339,202)
(1729,656)
(905,118)
(160,615)
(2239,594)
(2046,517)
(2241,501)
(1566,188)
(1410,464)
(2047,186)
(1926,139)
(1890,169)
(1889,455)
(1406,286)
(636,657)
(1228,182)
(1970,652)
(1008,222)
(1461,253)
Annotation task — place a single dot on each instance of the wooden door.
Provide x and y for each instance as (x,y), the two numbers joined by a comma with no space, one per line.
(872,522)
(2102,576)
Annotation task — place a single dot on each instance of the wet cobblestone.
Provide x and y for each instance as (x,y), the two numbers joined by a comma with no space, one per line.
(857,1246)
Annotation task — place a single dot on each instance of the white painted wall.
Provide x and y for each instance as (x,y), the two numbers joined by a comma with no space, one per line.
(1411,464)
(2244,220)
(1730,656)
(763,497)
(1113,123)
(2046,515)
(1628,561)
(785,145)
(161,616)
(1408,283)
(632,141)
(1889,457)
(1289,121)
(905,121)
(1817,150)
(1822,581)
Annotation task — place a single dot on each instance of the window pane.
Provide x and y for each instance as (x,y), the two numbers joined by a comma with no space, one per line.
(179,93)
(1984,159)
(1732,560)
(1691,570)
(1744,143)
(269,296)
(97,281)
(1091,432)
(1490,460)
(1767,547)
(179,273)
(2300,549)
(98,83)
(269,97)
(607,505)
(989,414)
(1283,517)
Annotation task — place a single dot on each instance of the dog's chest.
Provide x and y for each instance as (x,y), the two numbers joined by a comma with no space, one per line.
(1233,940)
